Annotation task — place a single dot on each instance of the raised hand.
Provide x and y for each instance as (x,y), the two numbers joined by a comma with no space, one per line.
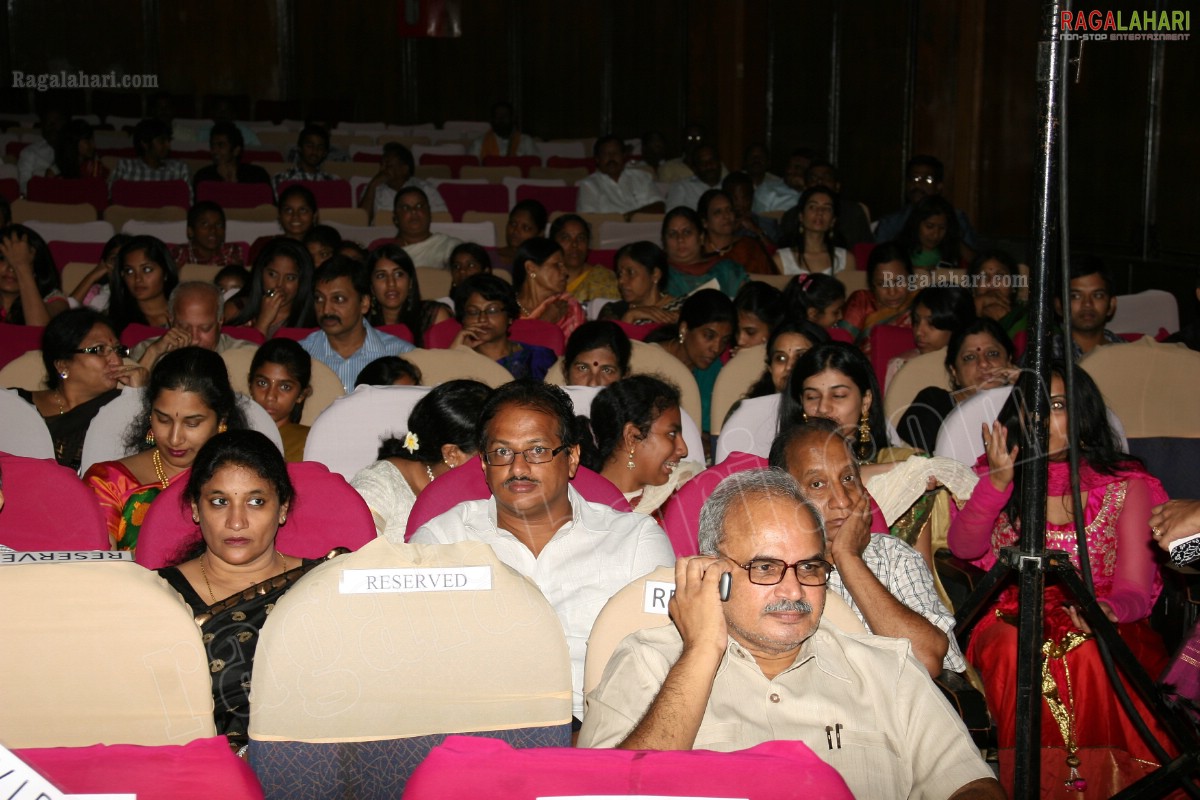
(1000,457)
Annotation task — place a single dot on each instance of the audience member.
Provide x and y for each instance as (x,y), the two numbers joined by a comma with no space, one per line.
(615,188)
(226,144)
(810,248)
(931,235)
(526,220)
(584,281)
(397,170)
(280,293)
(94,289)
(280,381)
(195,312)
(704,332)
(346,342)
(577,552)
(322,241)
(816,298)
(313,149)
(232,575)
(152,144)
(389,371)
(1093,304)
(395,290)
(468,259)
(440,436)
(689,268)
(188,401)
(995,277)
(37,157)
(597,354)
(938,311)
(486,306)
(653,155)
(84,372)
(685,685)
(75,153)
(740,188)
(413,218)
(540,281)
(715,209)
(206,238)
(888,301)
(756,163)
(30,289)
(789,340)
(759,309)
(785,194)
(147,275)
(679,168)
(705,162)
(642,275)
(852,226)
(923,178)
(231,280)
(503,138)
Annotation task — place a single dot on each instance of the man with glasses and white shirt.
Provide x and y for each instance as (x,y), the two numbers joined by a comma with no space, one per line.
(923,177)
(578,553)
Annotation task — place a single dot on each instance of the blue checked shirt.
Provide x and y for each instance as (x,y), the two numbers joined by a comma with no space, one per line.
(376,345)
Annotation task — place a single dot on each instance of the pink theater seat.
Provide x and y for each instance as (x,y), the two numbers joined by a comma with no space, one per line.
(639,332)
(840,335)
(862,251)
(472,766)
(47,507)
(604,258)
(524,163)
(489,198)
(10,189)
(465,482)
(68,252)
(554,198)
(16,340)
(440,335)
(887,342)
(325,513)
(539,332)
(235,195)
(329,194)
(681,513)
(135,333)
(296,334)
(455,163)
(65,190)
(13,149)
(265,156)
(245,333)
(151,194)
(399,330)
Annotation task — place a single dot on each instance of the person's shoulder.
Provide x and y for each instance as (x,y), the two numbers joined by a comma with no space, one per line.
(313,341)
(874,657)
(660,643)
(453,525)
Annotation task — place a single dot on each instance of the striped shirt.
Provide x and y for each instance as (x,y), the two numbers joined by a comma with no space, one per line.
(376,345)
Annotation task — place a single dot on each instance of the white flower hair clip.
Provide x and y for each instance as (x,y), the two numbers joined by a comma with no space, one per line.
(411,443)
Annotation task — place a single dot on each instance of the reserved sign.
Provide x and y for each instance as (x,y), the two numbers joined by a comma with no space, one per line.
(658,594)
(58,556)
(416,579)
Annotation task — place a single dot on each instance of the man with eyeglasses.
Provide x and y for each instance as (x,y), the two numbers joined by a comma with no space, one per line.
(413,217)
(578,553)
(923,177)
(762,666)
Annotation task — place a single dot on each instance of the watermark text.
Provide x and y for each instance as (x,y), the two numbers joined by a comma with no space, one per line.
(45,81)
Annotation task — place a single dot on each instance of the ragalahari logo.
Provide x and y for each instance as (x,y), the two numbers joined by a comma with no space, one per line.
(1150,25)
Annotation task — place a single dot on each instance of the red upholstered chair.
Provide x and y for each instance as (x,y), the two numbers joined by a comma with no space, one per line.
(399,330)
(67,190)
(135,333)
(18,340)
(326,513)
(468,766)
(524,163)
(267,156)
(69,252)
(329,194)
(604,258)
(862,251)
(639,332)
(10,189)
(491,198)
(455,163)
(47,507)
(151,194)
(887,342)
(236,195)
(566,162)
(539,332)
(440,335)
(245,333)
(554,198)
(840,335)
(14,149)
(294,333)
(681,513)
(465,482)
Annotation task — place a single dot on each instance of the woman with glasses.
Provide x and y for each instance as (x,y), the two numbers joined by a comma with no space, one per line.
(84,371)
(486,306)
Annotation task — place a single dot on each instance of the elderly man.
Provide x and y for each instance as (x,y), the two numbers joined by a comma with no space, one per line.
(195,311)
(413,216)
(761,666)
(706,164)
(578,553)
(346,342)
(397,170)
(615,188)
(883,580)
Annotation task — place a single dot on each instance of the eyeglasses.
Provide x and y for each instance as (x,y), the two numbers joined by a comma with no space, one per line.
(405,209)
(103,350)
(770,571)
(490,311)
(921,179)
(503,456)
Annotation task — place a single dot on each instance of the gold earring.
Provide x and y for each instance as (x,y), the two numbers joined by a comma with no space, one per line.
(864,435)
(629,465)
(149,439)
(221,428)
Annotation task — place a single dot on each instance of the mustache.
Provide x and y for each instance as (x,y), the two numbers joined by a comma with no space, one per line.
(519,479)
(331,318)
(796,606)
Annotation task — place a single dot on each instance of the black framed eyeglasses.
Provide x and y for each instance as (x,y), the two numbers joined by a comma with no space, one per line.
(770,571)
(103,350)
(503,456)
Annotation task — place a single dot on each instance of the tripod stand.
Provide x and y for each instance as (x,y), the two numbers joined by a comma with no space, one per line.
(1031,561)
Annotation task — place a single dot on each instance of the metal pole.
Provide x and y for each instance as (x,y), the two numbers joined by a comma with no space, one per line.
(1036,402)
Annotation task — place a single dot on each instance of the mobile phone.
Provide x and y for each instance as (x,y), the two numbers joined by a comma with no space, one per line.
(724,586)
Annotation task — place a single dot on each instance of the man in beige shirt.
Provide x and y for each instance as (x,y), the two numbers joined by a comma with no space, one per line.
(761,666)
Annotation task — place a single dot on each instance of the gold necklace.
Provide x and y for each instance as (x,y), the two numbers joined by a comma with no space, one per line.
(158,469)
(204,572)
(58,398)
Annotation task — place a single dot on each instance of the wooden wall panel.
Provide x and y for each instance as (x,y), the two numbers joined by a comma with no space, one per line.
(460,78)
(648,68)
(1178,196)
(802,32)
(562,63)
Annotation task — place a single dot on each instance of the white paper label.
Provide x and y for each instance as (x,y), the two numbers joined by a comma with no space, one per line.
(19,781)
(658,594)
(59,556)
(416,579)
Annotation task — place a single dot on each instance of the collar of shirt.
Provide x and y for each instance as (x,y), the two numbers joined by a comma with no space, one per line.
(818,648)
(573,496)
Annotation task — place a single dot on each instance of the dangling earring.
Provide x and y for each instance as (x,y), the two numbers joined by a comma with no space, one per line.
(864,436)
(681,337)
(149,438)
(804,416)
(221,427)
(629,465)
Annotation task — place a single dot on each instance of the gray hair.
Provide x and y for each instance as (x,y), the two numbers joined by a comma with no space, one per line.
(204,287)
(740,487)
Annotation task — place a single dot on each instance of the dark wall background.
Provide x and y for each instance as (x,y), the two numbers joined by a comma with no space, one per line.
(868,82)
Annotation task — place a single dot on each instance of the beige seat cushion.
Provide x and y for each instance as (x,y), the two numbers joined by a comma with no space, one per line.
(1150,386)
(734,380)
(920,372)
(439,366)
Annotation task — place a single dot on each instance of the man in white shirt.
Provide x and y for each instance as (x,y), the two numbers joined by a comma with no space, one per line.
(38,157)
(397,170)
(195,312)
(706,164)
(614,188)
(578,553)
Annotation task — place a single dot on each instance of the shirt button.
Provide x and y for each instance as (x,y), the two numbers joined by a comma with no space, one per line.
(774,698)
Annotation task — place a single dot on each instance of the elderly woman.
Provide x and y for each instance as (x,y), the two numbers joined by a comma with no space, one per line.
(721,238)
(540,280)
(690,269)
(889,299)
(240,494)
(642,275)
(486,306)
(441,435)
(189,401)
(584,281)
(84,371)
(597,354)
